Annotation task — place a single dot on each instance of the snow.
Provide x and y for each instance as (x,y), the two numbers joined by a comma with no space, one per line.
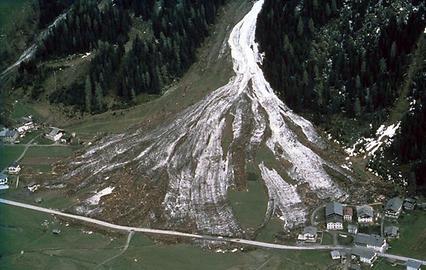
(369,146)
(188,151)
(95,199)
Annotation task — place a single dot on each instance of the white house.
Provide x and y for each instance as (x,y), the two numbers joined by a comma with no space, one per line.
(348,213)
(373,241)
(413,265)
(365,214)
(3,179)
(334,216)
(365,255)
(14,168)
(55,134)
(393,207)
(335,254)
(309,234)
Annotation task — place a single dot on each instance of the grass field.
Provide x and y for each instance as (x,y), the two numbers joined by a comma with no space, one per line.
(9,154)
(26,244)
(412,240)
(249,206)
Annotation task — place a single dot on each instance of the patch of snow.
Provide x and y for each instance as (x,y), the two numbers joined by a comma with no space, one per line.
(94,200)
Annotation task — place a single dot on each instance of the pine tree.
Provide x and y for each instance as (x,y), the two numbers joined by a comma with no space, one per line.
(300,27)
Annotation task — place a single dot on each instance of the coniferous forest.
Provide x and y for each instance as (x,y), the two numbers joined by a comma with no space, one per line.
(348,59)
(176,29)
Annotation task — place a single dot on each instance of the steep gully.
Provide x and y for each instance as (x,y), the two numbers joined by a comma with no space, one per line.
(199,169)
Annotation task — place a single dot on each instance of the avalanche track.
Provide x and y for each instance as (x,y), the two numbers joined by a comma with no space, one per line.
(199,168)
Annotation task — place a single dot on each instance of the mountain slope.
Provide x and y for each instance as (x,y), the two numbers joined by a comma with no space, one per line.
(178,173)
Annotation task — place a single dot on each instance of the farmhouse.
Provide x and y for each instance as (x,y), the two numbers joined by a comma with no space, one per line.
(3,179)
(373,241)
(348,213)
(334,216)
(8,135)
(391,231)
(393,207)
(309,234)
(365,214)
(365,255)
(55,134)
(335,254)
(413,265)
(409,204)
(14,168)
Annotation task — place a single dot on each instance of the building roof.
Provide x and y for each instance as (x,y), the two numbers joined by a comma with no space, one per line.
(14,164)
(364,253)
(391,230)
(8,133)
(334,208)
(54,131)
(348,211)
(3,176)
(414,264)
(394,204)
(335,253)
(352,227)
(373,240)
(364,211)
(310,230)
(410,200)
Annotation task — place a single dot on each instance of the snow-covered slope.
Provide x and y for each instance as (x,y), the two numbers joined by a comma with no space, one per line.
(199,168)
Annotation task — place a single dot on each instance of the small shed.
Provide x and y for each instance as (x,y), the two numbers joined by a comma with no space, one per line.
(352,229)
(413,265)
(335,254)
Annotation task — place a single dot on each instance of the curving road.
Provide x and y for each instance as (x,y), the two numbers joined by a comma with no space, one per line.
(131,230)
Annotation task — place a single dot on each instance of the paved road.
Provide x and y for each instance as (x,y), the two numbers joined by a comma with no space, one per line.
(190,235)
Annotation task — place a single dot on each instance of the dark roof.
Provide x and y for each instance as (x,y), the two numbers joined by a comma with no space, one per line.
(394,204)
(311,230)
(364,211)
(364,253)
(369,239)
(3,176)
(391,230)
(334,208)
(414,264)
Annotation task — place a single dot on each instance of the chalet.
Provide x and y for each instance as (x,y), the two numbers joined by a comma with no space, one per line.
(393,207)
(27,124)
(55,134)
(334,216)
(352,229)
(309,234)
(409,204)
(373,241)
(335,254)
(3,179)
(14,168)
(413,265)
(348,213)
(8,135)
(365,214)
(365,255)
(391,232)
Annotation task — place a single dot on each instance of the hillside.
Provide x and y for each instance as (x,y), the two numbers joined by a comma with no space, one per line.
(93,56)
(344,65)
